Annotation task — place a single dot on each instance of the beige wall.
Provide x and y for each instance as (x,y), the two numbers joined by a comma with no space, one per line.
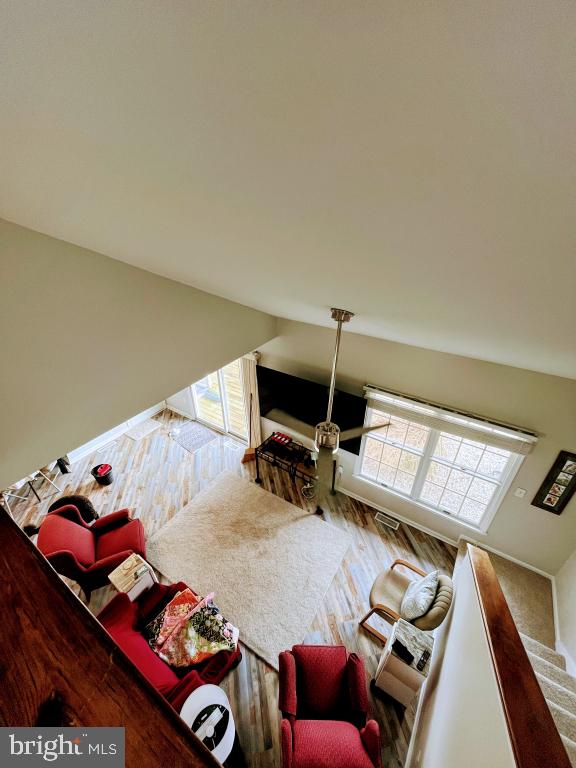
(544,403)
(87,342)
(461,720)
(566,604)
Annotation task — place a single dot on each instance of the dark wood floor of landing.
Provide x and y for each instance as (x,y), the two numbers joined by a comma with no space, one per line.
(155,478)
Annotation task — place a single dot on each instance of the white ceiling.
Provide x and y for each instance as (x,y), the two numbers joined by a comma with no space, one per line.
(414,162)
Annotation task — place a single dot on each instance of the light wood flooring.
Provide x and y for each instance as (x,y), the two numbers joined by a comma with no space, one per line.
(155,478)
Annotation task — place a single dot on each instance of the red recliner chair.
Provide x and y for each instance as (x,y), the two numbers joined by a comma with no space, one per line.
(324,708)
(124,621)
(88,553)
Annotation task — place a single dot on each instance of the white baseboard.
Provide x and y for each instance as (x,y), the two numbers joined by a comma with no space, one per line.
(179,412)
(395,515)
(147,414)
(93,445)
(556,616)
(114,433)
(570,663)
(559,645)
(507,557)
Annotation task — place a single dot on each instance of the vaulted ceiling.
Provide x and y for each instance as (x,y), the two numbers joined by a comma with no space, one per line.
(413,162)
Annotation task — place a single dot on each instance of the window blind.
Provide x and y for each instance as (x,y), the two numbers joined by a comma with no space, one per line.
(439,417)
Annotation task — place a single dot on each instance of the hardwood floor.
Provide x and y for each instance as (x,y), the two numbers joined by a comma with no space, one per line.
(155,478)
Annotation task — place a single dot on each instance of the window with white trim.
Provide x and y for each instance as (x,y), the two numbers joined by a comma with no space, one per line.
(453,463)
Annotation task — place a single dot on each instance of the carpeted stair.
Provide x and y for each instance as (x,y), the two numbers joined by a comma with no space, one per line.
(559,689)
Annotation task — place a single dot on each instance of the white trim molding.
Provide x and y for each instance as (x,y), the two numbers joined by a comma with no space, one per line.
(396,516)
(444,418)
(506,556)
(179,412)
(570,663)
(560,647)
(114,433)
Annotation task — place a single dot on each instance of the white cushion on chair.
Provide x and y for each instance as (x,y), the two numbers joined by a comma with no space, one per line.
(419,596)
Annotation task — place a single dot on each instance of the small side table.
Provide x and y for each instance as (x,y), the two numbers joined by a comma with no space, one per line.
(207,711)
(394,676)
(133,576)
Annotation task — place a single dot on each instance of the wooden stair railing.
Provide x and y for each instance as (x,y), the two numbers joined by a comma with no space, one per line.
(59,666)
(534,737)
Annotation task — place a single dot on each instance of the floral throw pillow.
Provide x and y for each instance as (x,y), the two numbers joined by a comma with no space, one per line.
(419,596)
(189,630)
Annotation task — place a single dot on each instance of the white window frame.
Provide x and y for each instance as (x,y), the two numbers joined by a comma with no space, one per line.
(426,456)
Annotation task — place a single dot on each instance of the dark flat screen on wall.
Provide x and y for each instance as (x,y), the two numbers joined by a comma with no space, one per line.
(307,401)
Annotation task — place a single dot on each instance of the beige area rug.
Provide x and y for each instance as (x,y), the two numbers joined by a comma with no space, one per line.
(143,429)
(269,562)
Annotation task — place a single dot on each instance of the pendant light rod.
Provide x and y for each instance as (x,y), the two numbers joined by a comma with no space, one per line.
(341,316)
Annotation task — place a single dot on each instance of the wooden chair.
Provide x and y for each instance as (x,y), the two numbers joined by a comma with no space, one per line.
(387,593)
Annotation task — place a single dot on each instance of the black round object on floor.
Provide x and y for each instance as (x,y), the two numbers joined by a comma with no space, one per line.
(105,479)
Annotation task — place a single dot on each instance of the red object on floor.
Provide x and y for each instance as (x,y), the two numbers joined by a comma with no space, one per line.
(324,707)
(125,620)
(88,553)
(103,469)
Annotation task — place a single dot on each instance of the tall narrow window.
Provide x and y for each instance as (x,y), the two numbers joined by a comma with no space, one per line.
(208,401)
(219,400)
(234,395)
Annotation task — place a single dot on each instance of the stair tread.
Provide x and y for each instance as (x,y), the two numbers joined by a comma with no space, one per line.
(565,721)
(552,672)
(543,651)
(557,694)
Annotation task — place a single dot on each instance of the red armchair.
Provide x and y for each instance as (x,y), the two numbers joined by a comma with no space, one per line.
(88,553)
(324,708)
(124,621)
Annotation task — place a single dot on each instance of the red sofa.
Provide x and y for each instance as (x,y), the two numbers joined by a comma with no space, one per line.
(324,708)
(88,553)
(124,621)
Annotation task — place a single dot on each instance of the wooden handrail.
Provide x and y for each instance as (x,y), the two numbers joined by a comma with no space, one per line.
(534,737)
(61,668)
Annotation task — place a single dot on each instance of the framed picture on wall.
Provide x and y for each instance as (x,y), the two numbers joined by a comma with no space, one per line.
(559,485)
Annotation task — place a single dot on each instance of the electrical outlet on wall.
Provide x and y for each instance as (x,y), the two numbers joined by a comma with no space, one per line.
(520,493)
